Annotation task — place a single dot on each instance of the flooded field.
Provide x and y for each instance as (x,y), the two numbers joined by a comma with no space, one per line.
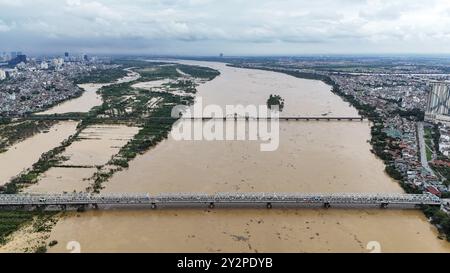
(150,84)
(59,180)
(95,147)
(24,154)
(97,144)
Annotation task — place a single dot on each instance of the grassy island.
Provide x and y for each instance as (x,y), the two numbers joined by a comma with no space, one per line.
(275,101)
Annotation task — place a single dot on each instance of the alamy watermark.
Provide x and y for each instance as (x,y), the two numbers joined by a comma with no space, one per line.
(234,123)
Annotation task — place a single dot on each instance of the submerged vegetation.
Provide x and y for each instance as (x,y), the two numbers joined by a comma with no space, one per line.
(13,220)
(47,160)
(199,72)
(102,76)
(275,102)
(11,133)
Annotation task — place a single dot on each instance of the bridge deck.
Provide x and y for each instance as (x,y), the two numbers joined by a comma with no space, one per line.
(286,118)
(291,118)
(219,198)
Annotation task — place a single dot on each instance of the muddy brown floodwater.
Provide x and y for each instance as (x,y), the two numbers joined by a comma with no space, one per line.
(96,146)
(312,157)
(24,154)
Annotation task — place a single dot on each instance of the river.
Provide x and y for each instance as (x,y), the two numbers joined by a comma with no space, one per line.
(312,157)
(24,154)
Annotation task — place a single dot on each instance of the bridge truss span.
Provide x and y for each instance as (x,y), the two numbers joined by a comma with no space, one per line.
(327,200)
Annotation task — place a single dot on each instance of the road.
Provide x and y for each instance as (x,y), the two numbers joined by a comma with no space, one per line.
(422,148)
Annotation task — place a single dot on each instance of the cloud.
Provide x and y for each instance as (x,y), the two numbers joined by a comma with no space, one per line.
(216,24)
(4,27)
(11,3)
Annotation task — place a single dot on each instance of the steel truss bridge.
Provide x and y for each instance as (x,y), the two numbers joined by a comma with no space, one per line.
(290,118)
(269,200)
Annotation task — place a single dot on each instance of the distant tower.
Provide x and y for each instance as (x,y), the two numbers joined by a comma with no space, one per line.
(438,105)
(221,55)
(18,59)
(66,54)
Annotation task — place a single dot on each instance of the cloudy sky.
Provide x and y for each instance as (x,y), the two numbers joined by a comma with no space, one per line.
(234,27)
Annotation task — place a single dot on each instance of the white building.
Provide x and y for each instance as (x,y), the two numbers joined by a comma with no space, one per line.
(438,106)
(2,75)
(58,62)
(44,65)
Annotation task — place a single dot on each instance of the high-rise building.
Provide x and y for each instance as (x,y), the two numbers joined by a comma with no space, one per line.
(18,59)
(66,54)
(2,75)
(438,105)
(4,56)
(57,63)
(44,65)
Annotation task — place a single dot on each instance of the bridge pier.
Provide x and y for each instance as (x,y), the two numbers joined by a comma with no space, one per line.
(212,205)
(40,207)
(154,206)
(81,208)
(269,205)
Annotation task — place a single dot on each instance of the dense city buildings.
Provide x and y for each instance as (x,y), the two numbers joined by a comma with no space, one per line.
(29,84)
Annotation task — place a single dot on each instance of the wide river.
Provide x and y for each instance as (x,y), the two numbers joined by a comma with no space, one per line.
(312,157)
